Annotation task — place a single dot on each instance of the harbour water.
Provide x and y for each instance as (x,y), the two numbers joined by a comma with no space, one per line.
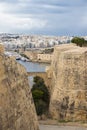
(33,67)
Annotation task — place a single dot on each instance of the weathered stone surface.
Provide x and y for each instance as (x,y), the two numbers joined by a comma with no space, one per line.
(17,110)
(1,48)
(69,83)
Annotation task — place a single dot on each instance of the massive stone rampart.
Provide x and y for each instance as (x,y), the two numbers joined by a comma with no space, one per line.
(17,110)
(1,48)
(68,74)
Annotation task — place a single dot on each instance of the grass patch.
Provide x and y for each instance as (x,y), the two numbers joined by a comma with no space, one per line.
(64,121)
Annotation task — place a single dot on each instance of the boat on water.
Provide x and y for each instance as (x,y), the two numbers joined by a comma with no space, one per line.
(22,59)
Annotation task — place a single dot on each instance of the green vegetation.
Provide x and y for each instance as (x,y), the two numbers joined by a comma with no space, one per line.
(24,55)
(79,41)
(74,121)
(64,121)
(40,95)
(48,51)
(16,50)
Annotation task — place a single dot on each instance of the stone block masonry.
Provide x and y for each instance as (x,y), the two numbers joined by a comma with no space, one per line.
(1,48)
(69,83)
(17,111)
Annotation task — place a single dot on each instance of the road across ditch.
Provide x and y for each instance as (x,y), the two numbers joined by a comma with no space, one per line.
(55,127)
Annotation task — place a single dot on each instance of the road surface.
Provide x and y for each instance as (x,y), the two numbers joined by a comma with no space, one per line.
(54,127)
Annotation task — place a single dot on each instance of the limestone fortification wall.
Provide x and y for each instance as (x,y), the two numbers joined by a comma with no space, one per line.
(68,73)
(1,48)
(17,110)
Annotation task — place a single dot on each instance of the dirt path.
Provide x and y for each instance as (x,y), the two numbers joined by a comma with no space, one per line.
(54,127)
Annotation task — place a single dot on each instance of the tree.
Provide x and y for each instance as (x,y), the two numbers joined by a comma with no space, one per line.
(40,95)
(79,41)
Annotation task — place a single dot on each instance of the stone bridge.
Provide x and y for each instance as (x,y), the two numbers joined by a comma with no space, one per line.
(43,75)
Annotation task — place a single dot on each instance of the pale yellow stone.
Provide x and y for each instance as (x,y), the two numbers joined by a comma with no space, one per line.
(17,111)
(1,48)
(68,84)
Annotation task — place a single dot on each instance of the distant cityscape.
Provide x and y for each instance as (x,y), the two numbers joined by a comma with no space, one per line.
(14,41)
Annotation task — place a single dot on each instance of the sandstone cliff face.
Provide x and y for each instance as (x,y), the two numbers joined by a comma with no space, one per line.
(17,110)
(69,83)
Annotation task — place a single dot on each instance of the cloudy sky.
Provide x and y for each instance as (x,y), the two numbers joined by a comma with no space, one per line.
(46,17)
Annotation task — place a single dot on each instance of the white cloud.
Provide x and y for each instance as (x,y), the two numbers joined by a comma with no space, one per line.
(12,22)
(43,16)
(24,0)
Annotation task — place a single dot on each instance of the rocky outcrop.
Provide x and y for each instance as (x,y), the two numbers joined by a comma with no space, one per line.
(17,110)
(68,73)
